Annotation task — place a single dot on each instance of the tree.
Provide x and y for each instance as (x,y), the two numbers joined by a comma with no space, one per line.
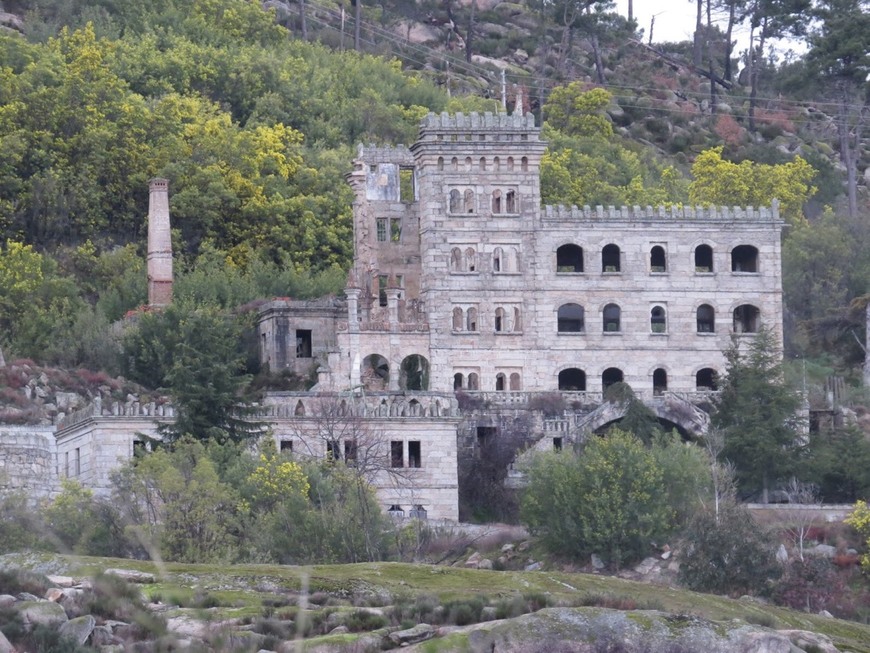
(757,414)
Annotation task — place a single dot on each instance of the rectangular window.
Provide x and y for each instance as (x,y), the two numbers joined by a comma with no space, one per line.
(407,192)
(397,453)
(333,452)
(303,343)
(286,445)
(485,438)
(396,230)
(78,469)
(382,230)
(66,464)
(414,454)
(557,444)
(383,279)
(350,452)
(139,449)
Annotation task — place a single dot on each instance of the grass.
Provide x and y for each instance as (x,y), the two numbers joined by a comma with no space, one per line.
(248,588)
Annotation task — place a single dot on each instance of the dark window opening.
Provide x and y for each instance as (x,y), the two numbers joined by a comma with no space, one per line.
(657,321)
(397,453)
(457,381)
(396,230)
(557,444)
(350,449)
(414,459)
(383,280)
(657,259)
(471,319)
(572,380)
(496,201)
(660,381)
(611,376)
(471,259)
(499,319)
(611,317)
(485,438)
(511,202)
(610,259)
(286,446)
(139,449)
(333,450)
(469,201)
(303,343)
(703,258)
(570,318)
(569,258)
(78,461)
(746,319)
(706,318)
(455,200)
(706,379)
(407,192)
(744,258)
(500,382)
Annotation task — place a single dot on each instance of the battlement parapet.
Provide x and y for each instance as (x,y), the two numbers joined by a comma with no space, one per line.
(671,213)
(115,409)
(514,122)
(374,154)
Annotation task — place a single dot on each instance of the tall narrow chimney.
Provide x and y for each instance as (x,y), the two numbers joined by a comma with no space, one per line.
(159,244)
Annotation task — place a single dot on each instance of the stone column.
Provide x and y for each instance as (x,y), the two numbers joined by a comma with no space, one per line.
(393,306)
(352,309)
(159,244)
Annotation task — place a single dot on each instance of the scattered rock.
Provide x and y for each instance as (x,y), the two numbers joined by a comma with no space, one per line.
(187,626)
(418,633)
(825,613)
(61,581)
(485,563)
(822,551)
(6,600)
(810,641)
(41,613)
(507,548)
(597,562)
(54,594)
(646,566)
(535,566)
(26,596)
(781,554)
(473,560)
(488,613)
(78,629)
(132,576)
(339,630)
(5,646)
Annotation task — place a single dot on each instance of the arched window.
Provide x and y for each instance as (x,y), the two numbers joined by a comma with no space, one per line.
(524,164)
(511,202)
(610,258)
(660,381)
(414,373)
(500,382)
(496,201)
(610,318)
(500,322)
(610,376)
(569,258)
(375,372)
(441,163)
(300,409)
(457,319)
(455,201)
(744,258)
(469,201)
(483,163)
(473,381)
(518,322)
(572,380)
(456,260)
(746,319)
(510,163)
(468,163)
(570,319)
(470,260)
(454,163)
(658,320)
(457,381)
(657,259)
(515,381)
(512,260)
(703,258)
(496,163)
(706,318)
(497,260)
(471,319)
(706,380)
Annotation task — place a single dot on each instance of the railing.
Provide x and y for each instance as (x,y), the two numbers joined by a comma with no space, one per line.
(117,409)
(286,405)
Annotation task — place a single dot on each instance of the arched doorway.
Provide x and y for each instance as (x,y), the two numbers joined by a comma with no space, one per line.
(414,373)
(375,373)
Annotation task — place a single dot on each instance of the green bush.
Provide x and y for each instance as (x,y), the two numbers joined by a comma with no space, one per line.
(363,621)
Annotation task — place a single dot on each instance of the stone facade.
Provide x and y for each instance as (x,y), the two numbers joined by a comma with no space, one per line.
(27,460)
(159,244)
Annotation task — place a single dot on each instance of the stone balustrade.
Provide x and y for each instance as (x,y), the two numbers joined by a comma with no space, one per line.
(671,213)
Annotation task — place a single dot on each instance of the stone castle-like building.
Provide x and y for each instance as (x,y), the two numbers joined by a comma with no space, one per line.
(463,285)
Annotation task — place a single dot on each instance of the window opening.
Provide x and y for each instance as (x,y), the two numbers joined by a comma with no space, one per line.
(455,201)
(383,280)
(496,163)
(483,163)
(499,319)
(303,343)
(286,446)
(706,319)
(572,380)
(510,163)
(473,381)
(333,450)
(511,201)
(468,163)
(382,230)
(78,461)
(350,450)
(454,163)
(469,201)
(744,258)
(471,259)
(569,258)
(496,201)
(395,230)
(746,319)
(524,164)
(471,319)
(397,453)
(414,457)
(611,376)
(457,319)
(407,191)
(657,320)
(497,256)
(456,260)
(657,259)
(557,444)
(610,258)
(485,438)
(515,384)
(518,323)
(660,381)
(570,318)
(703,258)
(457,381)
(611,315)
(499,382)
(706,379)
(440,163)
(139,449)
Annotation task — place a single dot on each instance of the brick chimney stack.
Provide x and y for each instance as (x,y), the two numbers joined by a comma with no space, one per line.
(159,244)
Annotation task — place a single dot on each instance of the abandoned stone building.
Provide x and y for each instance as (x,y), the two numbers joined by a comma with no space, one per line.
(467,299)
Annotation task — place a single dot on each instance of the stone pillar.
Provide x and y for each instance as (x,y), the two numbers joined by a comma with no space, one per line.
(393,305)
(352,309)
(159,244)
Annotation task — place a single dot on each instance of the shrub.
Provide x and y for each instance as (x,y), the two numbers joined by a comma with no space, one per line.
(363,621)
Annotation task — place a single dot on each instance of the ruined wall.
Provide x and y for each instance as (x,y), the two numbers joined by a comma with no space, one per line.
(27,460)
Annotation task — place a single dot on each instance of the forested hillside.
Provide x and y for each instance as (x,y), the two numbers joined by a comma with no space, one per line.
(253,114)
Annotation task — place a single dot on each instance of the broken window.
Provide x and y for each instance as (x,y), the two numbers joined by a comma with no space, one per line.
(569,258)
(333,450)
(703,258)
(397,453)
(457,319)
(660,381)
(455,201)
(470,260)
(469,201)
(350,449)
(611,316)
(441,163)
(706,319)
(515,381)
(473,381)
(570,318)
(286,446)
(610,376)
(705,380)
(657,320)
(610,258)
(657,259)
(496,201)
(500,319)
(303,343)
(407,192)
(383,280)
(395,230)
(557,444)
(744,258)
(471,319)
(524,164)
(483,163)
(510,163)
(746,319)
(457,381)
(456,260)
(511,202)
(414,457)
(500,382)
(497,256)
(572,380)
(518,323)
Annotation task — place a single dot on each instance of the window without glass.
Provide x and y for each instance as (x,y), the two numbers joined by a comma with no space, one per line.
(510,163)
(570,318)
(457,381)
(746,319)
(500,324)
(457,319)
(414,457)
(473,381)
(744,258)
(383,279)
(706,318)
(455,201)
(518,322)
(569,258)
(350,452)
(471,319)
(610,258)
(515,381)
(456,260)
(483,163)
(524,164)
(382,230)
(395,229)
(303,343)
(611,316)
(407,192)
(286,446)
(703,258)
(469,201)
(572,380)
(500,382)
(496,201)
(657,259)
(397,453)
(657,321)
(705,379)
(660,381)
(610,376)
(497,259)
(441,163)
(470,260)
(511,202)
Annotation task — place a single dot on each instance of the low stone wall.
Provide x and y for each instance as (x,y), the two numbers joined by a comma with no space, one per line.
(27,460)
(829,513)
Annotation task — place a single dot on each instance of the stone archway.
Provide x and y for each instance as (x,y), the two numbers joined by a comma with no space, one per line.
(376,373)
(414,373)
(688,418)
